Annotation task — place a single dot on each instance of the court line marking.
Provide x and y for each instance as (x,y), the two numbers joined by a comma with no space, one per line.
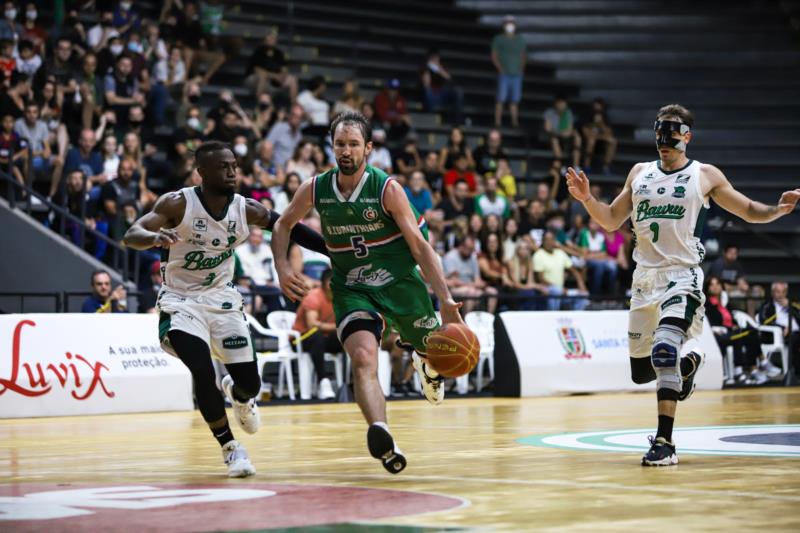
(565,483)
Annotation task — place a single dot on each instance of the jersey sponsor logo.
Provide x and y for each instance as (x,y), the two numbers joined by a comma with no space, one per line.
(645,211)
(672,301)
(361,275)
(232,226)
(369,200)
(327,201)
(197,260)
(679,192)
(643,190)
(661,190)
(650,176)
(355,228)
(370,214)
(237,341)
(426,322)
(682,178)
(200,224)
(635,336)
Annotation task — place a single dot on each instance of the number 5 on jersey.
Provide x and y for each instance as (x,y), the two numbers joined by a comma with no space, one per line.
(359,248)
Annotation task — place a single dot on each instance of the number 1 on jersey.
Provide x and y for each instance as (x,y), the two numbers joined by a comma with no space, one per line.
(209,280)
(654,229)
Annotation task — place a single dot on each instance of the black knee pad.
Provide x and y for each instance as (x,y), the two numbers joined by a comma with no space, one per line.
(246,381)
(362,321)
(642,370)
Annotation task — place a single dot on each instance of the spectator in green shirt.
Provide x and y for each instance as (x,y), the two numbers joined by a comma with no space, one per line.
(601,266)
(508,56)
(492,203)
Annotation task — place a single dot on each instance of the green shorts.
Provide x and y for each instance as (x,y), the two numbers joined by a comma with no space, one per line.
(404,306)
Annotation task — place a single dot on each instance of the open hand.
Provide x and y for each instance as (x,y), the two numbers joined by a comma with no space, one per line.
(166,237)
(788,201)
(450,314)
(578,185)
(293,285)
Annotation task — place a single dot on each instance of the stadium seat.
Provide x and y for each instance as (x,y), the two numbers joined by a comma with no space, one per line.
(284,356)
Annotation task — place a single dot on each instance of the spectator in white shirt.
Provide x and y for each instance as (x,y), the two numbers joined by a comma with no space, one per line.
(258,266)
(463,276)
(317,110)
(380,157)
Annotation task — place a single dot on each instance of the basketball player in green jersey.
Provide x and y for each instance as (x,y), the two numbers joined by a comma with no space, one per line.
(666,201)
(375,239)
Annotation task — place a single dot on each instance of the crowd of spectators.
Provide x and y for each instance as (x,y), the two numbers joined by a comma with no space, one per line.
(102,111)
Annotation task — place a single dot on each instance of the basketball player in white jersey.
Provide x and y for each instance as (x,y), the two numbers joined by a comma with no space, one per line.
(666,200)
(201,312)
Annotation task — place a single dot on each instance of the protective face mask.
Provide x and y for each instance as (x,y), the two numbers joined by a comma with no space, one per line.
(509,28)
(125,6)
(194,123)
(240,150)
(11,13)
(116,49)
(136,48)
(31,15)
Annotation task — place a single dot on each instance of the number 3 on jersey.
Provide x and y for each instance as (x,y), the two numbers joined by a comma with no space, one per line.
(359,248)
(654,229)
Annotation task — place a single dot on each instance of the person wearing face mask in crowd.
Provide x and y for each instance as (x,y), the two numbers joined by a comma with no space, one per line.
(99,36)
(509,57)
(10,29)
(32,31)
(126,18)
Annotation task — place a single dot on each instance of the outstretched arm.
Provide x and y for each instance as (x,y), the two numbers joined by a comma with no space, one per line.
(396,203)
(292,284)
(731,200)
(259,215)
(154,228)
(610,217)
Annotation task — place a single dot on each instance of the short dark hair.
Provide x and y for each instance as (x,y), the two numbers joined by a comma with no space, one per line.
(353,118)
(327,274)
(24,44)
(315,83)
(730,245)
(209,147)
(96,273)
(676,110)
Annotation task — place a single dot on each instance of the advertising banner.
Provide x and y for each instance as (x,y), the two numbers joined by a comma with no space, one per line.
(77,364)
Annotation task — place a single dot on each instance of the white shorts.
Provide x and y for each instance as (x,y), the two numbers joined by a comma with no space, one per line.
(217,317)
(658,293)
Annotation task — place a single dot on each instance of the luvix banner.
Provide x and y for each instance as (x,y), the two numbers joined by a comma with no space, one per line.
(76,364)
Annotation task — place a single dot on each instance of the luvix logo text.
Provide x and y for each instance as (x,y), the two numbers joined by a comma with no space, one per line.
(36,379)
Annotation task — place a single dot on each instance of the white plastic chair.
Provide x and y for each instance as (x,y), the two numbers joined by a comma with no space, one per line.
(482,324)
(284,321)
(284,356)
(776,332)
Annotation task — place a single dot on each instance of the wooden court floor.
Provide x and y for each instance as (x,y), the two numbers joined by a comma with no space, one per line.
(467,469)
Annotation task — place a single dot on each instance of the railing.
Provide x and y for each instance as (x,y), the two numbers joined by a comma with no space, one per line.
(123,260)
(60,300)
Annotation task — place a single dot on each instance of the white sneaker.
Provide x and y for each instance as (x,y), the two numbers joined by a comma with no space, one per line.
(769,369)
(757,378)
(235,456)
(246,414)
(432,382)
(325,390)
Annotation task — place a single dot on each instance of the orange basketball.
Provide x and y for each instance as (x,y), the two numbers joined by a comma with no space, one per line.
(453,350)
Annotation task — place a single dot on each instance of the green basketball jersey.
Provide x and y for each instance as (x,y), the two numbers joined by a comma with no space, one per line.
(368,251)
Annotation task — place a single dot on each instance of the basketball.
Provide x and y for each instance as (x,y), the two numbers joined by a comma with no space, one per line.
(453,350)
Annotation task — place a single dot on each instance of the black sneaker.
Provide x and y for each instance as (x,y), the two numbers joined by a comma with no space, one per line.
(697,359)
(381,446)
(661,453)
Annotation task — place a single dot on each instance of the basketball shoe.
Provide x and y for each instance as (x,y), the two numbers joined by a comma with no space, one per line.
(432,382)
(661,453)
(246,413)
(235,456)
(697,358)
(381,446)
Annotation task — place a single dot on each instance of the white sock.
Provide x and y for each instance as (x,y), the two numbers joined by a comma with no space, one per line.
(381,425)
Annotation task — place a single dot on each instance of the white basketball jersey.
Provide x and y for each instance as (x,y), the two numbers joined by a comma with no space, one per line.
(668,216)
(202,260)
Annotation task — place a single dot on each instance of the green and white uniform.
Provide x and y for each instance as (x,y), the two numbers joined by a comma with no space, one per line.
(198,295)
(668,215)
(374,273)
